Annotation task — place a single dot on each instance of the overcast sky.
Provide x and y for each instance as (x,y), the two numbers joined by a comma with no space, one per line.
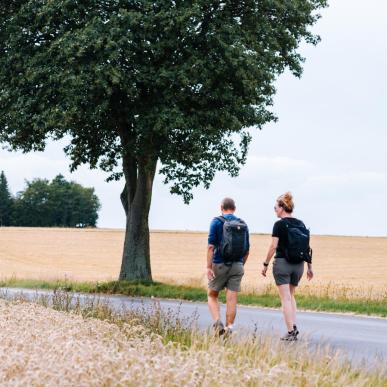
(328,148)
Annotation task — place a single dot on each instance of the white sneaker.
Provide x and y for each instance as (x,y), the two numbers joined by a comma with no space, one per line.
(228,331)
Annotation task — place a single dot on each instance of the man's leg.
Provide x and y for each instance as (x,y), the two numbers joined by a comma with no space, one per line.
(233,287)
(213,304)
(231,303)
(287,308)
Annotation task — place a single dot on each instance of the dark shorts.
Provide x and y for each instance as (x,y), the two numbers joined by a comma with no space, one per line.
(287,273)
(228,277)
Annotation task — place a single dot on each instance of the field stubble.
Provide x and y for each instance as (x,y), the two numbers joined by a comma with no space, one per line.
(353,267)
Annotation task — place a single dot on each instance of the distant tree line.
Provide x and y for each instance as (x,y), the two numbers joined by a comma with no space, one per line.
(43,203)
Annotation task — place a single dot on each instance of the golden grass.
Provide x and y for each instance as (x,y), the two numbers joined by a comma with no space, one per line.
(42,346)
(356,264)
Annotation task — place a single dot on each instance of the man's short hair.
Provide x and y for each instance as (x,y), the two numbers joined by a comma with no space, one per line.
(228,204)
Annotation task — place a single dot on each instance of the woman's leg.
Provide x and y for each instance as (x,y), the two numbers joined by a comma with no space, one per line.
(292,289)
(287,308)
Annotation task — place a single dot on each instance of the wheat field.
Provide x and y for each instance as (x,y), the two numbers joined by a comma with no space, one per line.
(46,347)
(359,263)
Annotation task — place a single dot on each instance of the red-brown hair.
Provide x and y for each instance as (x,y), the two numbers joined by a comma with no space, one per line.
(285,201)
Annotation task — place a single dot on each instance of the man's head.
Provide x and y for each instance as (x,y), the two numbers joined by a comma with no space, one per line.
(227,206)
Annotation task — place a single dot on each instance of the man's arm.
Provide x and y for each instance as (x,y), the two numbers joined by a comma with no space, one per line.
(213,241)
(248,247)
(210,254)
(245,257)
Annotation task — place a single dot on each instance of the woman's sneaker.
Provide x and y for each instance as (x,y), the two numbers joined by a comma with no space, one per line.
(290,336)
(295,330)
(218,328)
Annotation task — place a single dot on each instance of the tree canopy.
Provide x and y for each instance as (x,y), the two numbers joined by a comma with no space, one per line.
(136,83)
(47,204)
(178,77)
(6,202)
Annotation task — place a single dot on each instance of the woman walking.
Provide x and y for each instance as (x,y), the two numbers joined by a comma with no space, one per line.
(287,267)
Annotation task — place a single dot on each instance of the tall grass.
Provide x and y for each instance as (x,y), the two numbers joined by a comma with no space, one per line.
(152,347)
(322,298)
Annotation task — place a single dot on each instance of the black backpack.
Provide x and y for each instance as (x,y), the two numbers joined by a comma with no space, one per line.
(233,245)
(298,249)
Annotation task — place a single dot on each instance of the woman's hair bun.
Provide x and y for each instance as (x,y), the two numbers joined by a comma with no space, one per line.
(286,202)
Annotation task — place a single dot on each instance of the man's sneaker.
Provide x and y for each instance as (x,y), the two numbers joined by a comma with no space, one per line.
(290,336)
(227,332)
(295,330)
(218,328)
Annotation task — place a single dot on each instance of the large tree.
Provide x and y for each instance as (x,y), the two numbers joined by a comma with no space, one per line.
(135,83)
(6,201)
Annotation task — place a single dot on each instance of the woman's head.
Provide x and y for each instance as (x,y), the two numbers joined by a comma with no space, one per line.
(284,205)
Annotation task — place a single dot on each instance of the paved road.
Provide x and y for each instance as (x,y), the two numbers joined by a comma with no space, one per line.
(361,339)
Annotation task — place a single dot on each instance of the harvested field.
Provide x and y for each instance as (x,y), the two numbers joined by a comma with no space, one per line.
(356,263)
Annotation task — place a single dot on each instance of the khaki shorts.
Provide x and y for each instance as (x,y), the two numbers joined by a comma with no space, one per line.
(228,277)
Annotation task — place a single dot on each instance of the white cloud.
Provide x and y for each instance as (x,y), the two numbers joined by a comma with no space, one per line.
(19,167)
(352,184)
(276,163)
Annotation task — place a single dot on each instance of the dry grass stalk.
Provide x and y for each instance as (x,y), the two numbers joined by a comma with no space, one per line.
(42,346)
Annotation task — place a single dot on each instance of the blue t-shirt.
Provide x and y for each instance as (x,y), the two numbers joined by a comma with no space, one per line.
(215,237)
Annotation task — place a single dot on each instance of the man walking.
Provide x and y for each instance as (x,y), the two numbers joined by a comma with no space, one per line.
(228,250)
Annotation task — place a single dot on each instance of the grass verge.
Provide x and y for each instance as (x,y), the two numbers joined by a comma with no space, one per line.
(266,298)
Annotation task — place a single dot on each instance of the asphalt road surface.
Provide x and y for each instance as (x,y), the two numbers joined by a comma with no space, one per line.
(363,340)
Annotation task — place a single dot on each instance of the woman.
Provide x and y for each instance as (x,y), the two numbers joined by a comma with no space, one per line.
(287,275)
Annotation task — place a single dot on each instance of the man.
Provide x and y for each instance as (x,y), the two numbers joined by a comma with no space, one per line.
(228,250)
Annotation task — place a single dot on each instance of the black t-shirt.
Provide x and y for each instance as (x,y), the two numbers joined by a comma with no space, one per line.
(280,231)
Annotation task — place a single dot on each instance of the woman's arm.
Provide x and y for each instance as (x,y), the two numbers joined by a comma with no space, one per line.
(270,253)
(309,273)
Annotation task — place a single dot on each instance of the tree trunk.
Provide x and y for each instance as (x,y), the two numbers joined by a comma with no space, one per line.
(136,200)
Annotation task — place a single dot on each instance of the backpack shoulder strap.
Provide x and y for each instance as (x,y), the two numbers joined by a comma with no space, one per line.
(221,218)
(287,223)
